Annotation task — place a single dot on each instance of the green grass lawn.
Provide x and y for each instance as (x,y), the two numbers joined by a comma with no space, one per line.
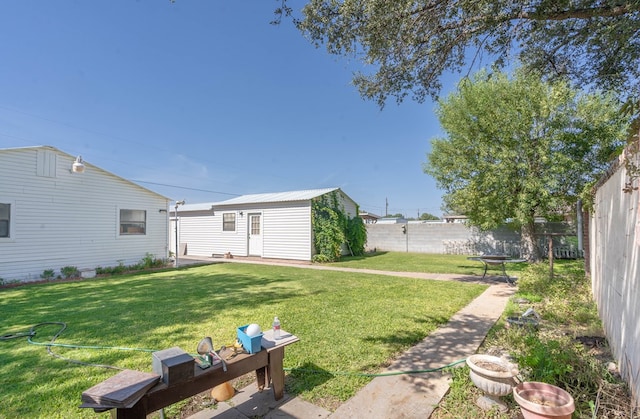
(346,322)
(427,263)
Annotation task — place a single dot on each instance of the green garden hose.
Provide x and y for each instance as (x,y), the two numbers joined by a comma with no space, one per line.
(32,332)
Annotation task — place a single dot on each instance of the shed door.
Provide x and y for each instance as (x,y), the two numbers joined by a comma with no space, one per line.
(255,235)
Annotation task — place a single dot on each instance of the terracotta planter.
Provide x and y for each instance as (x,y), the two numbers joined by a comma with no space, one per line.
(542,400)
(494,376)
(223,392)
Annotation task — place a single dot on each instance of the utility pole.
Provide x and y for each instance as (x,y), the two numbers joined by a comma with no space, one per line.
(386,207)
(178,203)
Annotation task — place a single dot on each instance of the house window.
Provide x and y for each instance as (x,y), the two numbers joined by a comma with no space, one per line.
(5,219)
(229,221)
(133,222)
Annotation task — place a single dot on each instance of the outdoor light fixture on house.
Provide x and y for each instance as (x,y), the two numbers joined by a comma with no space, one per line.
(78,165)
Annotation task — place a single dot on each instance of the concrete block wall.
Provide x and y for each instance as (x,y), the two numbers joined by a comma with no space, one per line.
(437,238)
(452,238)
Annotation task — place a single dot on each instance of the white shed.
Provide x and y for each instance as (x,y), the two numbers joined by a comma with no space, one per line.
(57,211)
(269,225)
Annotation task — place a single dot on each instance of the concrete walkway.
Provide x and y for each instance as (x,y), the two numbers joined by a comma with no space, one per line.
(397,396)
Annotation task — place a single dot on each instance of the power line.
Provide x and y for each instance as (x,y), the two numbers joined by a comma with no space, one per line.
(120,139)
(184,187)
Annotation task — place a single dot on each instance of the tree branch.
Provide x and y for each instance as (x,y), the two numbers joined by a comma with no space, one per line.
(587,13)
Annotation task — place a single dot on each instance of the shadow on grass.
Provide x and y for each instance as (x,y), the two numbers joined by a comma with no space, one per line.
(406,338)
(362,257)
(150,309)
(306,377)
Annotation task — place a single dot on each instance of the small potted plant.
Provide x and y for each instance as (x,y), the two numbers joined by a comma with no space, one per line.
(495,377)
(541,400)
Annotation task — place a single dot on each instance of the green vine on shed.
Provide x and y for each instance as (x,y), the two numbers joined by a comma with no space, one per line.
(332,229)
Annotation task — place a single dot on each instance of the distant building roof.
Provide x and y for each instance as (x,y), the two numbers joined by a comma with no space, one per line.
(368,214)
(450,218)
(392,220)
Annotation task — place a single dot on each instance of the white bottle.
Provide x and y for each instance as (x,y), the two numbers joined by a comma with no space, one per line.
(276,328)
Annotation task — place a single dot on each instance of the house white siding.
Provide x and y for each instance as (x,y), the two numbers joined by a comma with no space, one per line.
(60,218)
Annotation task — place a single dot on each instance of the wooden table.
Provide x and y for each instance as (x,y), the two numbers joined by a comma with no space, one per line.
(497,260)
(268,365)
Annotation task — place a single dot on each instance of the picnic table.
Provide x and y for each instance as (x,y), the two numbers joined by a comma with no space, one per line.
(497,261)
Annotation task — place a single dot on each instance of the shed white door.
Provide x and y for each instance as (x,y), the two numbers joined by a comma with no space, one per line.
(255,235)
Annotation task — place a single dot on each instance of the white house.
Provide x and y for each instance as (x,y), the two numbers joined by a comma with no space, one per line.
(58,211)
(369,218)
(269,225)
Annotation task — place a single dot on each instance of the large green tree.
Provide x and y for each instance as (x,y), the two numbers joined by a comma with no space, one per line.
(516,148)
(408,43)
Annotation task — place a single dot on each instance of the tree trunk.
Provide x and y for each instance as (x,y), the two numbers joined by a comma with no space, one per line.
(530,249)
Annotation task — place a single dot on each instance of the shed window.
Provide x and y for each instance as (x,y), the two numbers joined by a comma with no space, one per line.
(5,219)
(229,221)
(133,222)
(255,225)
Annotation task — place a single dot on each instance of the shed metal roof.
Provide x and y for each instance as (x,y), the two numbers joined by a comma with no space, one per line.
(261,198)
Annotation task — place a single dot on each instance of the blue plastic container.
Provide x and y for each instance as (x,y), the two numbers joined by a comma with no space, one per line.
(251,344)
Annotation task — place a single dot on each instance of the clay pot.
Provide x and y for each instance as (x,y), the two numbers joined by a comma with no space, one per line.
(542,400)
(223,392)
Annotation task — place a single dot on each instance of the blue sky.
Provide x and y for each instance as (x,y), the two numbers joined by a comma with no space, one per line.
(205,100)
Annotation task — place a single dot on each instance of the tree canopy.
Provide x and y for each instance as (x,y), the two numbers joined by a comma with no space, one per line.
(409,44)
(428,217)
(398,215)
(517,148)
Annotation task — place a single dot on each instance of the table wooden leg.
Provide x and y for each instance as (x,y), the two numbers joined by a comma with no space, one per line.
(261,378)
(276,372)
(138,411)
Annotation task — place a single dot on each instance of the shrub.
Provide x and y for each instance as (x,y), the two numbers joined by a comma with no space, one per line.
(328,234)
(47,274)
(150,261)
(547,361)
(147,261)
(332,228)
(70,272)
(321,259)
(356,235)
(117,270)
